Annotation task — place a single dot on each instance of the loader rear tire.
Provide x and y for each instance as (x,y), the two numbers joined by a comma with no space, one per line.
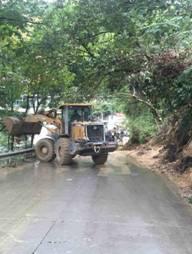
(62,149)
(44,150)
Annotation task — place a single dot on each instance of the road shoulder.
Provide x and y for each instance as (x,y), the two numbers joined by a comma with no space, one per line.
(151,158)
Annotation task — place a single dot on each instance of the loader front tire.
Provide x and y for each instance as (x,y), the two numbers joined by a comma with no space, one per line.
(62,149)
(99,159)
(44,150)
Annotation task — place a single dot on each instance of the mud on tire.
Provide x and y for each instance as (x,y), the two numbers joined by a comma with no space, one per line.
(62,149)
(100,159)
(44,150)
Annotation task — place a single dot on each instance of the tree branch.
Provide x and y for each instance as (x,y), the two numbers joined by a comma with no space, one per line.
(17,21)
(153,110)
(87,50)
(150,106)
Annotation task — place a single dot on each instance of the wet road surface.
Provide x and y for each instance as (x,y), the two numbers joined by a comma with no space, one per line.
(115,209)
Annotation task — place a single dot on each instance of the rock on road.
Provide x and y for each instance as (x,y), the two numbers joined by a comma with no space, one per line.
(119,208)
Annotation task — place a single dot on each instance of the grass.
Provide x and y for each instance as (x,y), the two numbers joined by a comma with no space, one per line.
(190,200)
(3,142)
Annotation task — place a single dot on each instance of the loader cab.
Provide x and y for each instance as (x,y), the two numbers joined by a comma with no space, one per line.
(74,113)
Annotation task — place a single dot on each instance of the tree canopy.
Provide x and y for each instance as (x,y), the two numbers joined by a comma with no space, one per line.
(135,50)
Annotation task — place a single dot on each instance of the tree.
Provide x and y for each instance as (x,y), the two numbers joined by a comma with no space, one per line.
(17,19)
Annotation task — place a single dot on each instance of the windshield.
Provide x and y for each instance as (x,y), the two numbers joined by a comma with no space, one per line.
(76,113)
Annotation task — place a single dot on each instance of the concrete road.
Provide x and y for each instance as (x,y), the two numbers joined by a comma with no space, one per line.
(119,208)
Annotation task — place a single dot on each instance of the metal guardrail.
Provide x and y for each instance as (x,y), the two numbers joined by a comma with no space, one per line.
(10,154)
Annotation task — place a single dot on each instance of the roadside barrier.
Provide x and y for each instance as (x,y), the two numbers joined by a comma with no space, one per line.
(10,154)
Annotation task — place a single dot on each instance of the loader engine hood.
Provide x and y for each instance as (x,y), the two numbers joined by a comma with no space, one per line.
(88,131)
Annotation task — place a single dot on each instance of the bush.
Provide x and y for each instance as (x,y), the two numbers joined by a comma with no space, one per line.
(3,141)
(141,128)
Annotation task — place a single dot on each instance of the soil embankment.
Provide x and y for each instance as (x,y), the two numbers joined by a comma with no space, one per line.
(152,158)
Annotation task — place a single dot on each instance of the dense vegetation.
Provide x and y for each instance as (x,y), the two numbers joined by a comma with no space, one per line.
(136,51)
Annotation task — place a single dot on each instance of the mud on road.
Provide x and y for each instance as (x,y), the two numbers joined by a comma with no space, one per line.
(152,157)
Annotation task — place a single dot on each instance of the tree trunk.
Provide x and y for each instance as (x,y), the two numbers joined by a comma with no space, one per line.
(39,103)
(33,103)
(27,105)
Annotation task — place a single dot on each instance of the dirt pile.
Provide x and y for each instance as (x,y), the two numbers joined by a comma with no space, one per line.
(175,137)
